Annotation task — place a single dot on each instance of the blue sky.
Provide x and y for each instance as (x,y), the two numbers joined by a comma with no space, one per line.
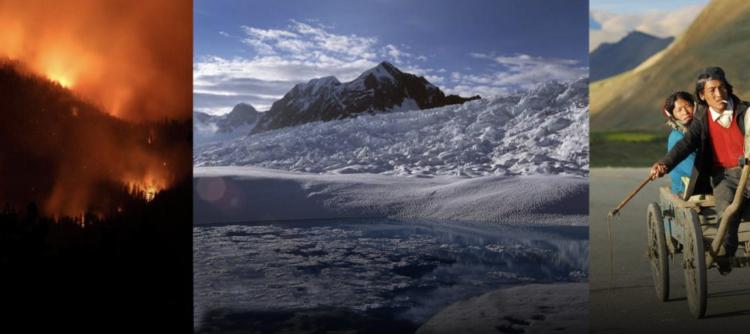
(611,20)
(255,51)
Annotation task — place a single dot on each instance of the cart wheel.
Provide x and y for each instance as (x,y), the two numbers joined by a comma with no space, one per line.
(656,249)
(694,264)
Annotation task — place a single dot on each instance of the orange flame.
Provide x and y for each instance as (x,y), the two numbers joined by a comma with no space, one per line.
(125,56)
(147,189)
(131,60)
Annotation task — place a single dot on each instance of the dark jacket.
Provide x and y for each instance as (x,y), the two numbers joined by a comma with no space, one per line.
(696,139)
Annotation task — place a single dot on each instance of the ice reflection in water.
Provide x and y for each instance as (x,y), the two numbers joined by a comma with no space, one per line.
(411,268)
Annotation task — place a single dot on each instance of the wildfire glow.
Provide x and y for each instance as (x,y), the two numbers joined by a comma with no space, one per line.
(147,191)
(122,55)
(126,59)
(63,81)
(147,186)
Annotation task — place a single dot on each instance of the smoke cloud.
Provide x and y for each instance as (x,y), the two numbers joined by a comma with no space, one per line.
(131,58)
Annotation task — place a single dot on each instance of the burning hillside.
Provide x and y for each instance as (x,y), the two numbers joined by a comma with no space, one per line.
(71,157)
(132,58)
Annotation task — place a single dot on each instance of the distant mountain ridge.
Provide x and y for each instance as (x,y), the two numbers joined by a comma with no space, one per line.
(242,114)
(717,37)
(383,88)
(610,59)
(237,123)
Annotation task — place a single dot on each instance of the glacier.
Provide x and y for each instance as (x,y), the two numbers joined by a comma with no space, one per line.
(542,131)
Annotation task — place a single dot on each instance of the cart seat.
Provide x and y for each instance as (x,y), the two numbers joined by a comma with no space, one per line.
(702,200)
(695,201)
(704,204)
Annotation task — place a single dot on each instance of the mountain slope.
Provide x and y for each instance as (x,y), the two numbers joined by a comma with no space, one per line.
(66,155)
(542,131)
(383,88)
(718,37)
(613,58)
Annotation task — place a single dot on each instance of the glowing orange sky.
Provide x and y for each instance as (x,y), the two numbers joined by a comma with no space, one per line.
(133,58)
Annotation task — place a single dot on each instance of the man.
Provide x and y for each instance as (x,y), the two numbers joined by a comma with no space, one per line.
(717,133)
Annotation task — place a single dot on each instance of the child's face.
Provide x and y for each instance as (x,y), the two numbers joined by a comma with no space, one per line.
(683,111)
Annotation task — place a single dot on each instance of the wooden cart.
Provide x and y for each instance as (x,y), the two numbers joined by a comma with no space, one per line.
(688,227)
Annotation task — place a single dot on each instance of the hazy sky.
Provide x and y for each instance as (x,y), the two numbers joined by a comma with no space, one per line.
(255,51)
(611,20)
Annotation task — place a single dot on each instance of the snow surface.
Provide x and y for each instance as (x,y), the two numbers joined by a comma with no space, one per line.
(533,308)
(252,194)
(541,131)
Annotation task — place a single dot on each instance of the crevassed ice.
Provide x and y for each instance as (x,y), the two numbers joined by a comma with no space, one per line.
(540,131)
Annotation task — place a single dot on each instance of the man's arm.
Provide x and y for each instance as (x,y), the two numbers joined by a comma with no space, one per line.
(688,144)
(684,147)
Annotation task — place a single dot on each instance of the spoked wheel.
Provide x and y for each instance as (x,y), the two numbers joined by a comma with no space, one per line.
(694,264)
(656,250)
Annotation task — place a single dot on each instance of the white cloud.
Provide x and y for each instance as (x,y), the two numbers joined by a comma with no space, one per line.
(277,68)
(262,48)
(399,56)
(353,46)
(435,79)
(394,52)
(615,26)
(302,51)
(295,46)
(282,58)
(265,78)
(520,71)
(268,34)
(527,71)
(302,41)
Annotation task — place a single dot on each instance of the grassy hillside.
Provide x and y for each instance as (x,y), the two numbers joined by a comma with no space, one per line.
(627,148)
(632,100)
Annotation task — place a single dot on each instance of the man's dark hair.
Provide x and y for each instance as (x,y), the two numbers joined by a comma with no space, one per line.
(710,73)
(669,103)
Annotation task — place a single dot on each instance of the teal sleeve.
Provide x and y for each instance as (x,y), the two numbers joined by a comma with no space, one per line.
(684,168)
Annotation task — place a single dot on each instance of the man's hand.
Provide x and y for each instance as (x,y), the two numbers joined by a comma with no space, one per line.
(657,170)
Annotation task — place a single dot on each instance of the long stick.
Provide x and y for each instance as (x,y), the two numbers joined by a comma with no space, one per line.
(629,197)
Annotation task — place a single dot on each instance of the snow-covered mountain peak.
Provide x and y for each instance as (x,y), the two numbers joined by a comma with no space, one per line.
(324,81)
(381,89)
(314,86)
(384,71)
(540,131)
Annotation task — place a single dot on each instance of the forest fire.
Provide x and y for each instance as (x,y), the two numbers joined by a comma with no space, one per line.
(60,79)
(110,52)
(146,189)
(91,92)
(95,127)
